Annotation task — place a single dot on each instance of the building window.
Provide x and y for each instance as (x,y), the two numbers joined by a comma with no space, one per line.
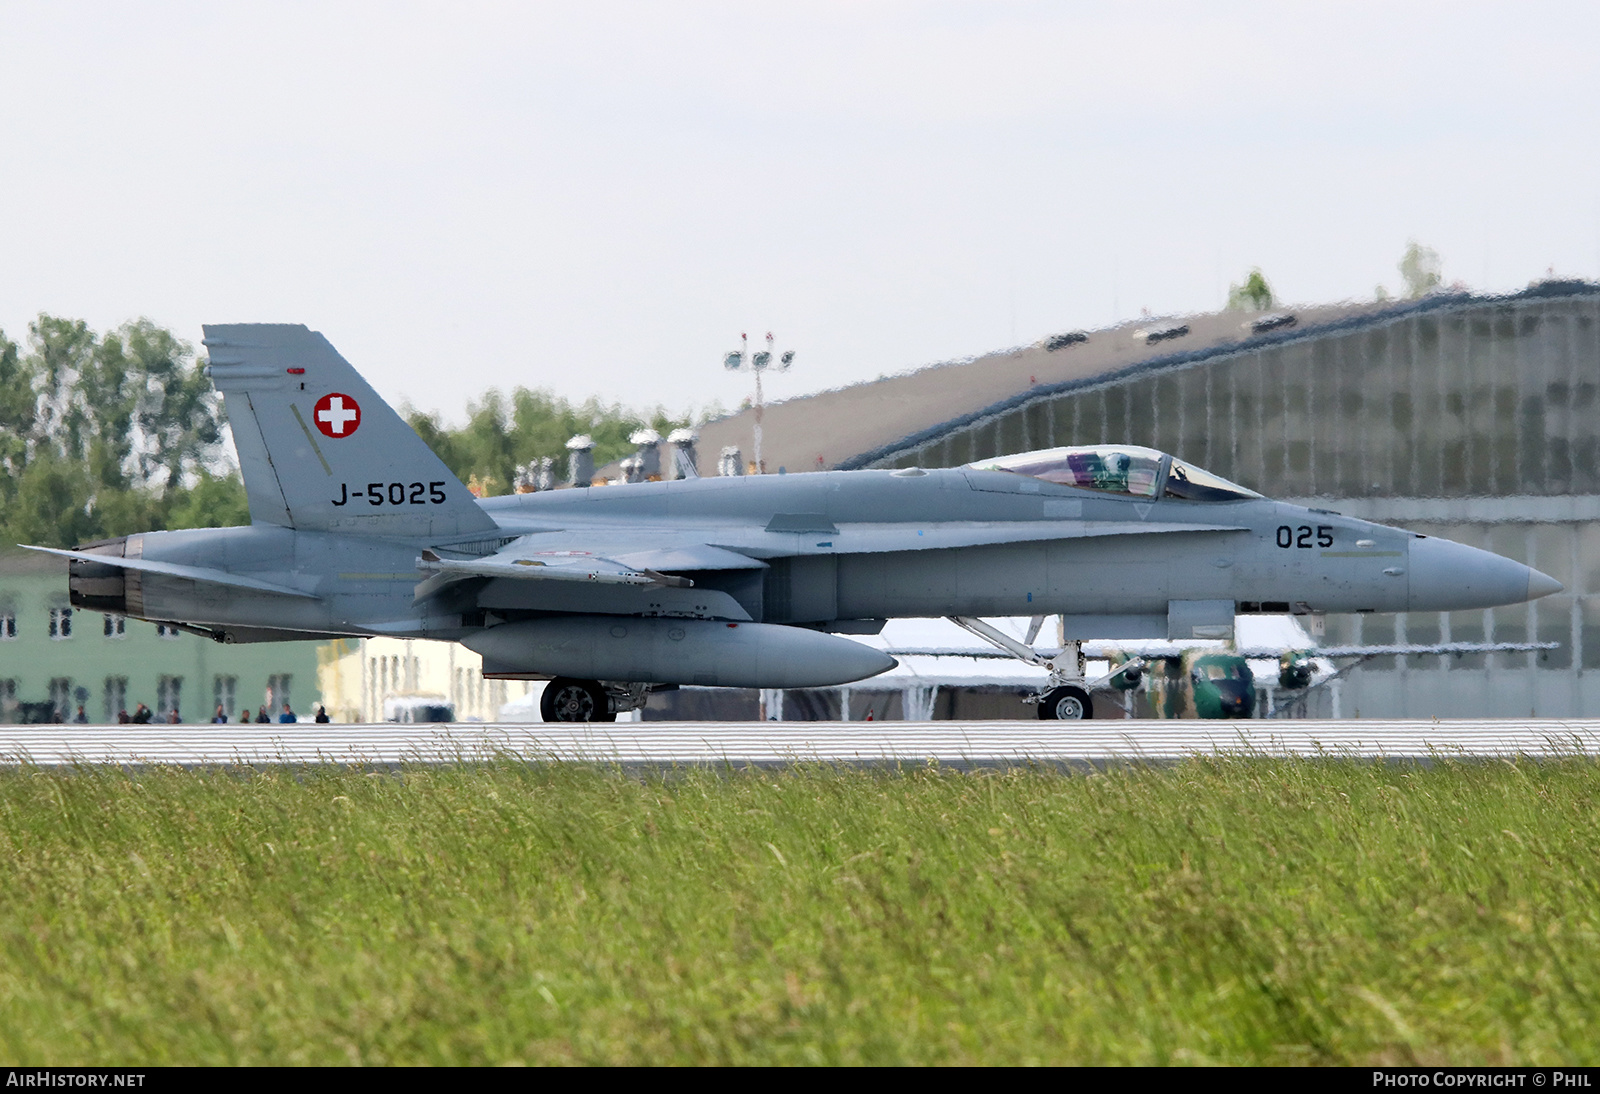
(164,631)
(116,626)
(60,623)
(8,698)
(8,624)
(116,696)
(278,694)
(61,697)
(168,707)
(223,689)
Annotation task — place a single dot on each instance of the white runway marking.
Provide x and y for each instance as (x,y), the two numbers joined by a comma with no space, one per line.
(957,744)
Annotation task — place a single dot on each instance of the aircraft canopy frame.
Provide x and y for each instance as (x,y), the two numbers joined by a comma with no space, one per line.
(1129,470)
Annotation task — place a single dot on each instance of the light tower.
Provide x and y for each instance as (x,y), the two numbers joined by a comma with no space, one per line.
(740,360)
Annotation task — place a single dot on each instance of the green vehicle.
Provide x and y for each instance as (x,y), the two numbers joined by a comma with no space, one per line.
(1193,683)
(1203,685)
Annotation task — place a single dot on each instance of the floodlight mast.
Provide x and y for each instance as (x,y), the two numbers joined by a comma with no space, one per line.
(740,360)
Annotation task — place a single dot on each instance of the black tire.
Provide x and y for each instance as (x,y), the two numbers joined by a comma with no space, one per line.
(1066,703)
(569,700)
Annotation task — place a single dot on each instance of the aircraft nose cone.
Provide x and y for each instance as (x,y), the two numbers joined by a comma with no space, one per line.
(1450,577)
(1542,585)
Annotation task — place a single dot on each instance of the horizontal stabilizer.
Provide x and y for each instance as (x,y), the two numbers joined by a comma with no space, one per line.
(173,569)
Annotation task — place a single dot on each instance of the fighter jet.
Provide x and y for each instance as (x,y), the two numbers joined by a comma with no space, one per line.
(357,528)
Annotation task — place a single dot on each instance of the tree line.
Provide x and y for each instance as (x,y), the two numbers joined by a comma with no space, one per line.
(505,433)
(108,433)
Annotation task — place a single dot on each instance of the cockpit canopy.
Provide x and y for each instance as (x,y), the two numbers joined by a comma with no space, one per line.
(1120,469)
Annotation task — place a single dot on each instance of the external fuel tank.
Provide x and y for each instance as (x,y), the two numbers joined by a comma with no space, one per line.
(675,651)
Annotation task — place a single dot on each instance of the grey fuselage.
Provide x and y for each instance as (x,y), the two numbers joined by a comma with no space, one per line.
(822,550)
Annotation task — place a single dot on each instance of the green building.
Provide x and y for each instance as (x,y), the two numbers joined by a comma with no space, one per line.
(55,659)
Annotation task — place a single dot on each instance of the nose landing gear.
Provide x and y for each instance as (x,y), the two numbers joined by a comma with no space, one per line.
(1066,695)
(1065,703)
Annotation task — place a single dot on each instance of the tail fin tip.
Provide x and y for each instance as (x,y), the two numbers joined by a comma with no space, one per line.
(319,449)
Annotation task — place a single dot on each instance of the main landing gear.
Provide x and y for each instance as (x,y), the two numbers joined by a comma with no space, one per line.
(569,700)
(1065,696)
(566,699)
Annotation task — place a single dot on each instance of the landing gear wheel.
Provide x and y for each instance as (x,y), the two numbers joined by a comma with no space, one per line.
(1066,703)
(569,700)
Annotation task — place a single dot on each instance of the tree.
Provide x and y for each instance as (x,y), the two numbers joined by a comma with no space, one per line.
(1420,269)
(214,501)
(103,436)
(164,390)
(16,420)
(108,435)
(52,504)
(1254,295)
(503,434)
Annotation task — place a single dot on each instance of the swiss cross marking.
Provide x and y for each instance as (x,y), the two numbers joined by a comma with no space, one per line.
(337,415)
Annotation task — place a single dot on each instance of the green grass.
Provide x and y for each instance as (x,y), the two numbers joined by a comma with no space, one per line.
(1228,911)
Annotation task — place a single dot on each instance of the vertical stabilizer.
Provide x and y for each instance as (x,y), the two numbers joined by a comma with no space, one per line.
(319,450)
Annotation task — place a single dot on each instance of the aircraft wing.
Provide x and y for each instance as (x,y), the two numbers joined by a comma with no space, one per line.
(174,569)
(1157,650)
(789,534)
(1437,648)
(1095,651)
(657,549)
(743,546)
(605,558)
(627,556)
(538,566)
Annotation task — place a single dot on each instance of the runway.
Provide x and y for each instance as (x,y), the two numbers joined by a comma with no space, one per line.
(668,744)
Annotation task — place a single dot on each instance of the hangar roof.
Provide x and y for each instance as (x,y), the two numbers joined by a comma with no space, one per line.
(822,431)
(856,425)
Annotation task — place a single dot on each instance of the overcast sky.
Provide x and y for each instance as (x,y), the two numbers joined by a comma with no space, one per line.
(597,198)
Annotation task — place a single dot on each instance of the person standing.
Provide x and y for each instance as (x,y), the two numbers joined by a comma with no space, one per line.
(287,715)
(220,718)
(322,716)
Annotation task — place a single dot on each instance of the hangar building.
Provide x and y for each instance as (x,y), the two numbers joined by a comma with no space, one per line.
(1468,417)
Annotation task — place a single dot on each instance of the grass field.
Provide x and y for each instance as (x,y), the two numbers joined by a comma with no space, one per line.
(1228,911)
